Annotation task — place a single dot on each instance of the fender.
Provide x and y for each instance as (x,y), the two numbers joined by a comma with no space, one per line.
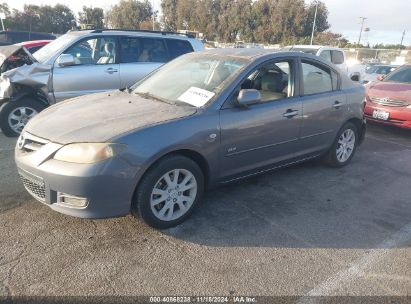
(24,91)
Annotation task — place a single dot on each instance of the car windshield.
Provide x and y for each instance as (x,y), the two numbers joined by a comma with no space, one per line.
(191,79)
(402,75)
(50,49)
(379,69)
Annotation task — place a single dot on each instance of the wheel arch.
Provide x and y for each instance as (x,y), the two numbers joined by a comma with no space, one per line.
(35,94)
(195,156)
(361,127)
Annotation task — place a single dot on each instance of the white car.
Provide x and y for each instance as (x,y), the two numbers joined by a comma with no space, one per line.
(331,54)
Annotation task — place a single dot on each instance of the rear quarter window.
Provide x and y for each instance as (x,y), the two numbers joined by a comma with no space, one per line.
(177,47)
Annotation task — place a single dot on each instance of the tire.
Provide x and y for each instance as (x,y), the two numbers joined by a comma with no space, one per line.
(13,127)
(334,157)
(159,202)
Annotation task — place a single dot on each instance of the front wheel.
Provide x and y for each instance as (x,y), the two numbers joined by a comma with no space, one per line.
(344,146)
(14,115)
(169,191)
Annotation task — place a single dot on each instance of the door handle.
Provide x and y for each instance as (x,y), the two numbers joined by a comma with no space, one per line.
(290,113)
(111,70)
(337,104)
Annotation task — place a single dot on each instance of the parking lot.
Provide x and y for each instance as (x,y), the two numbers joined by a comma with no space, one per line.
(304,230)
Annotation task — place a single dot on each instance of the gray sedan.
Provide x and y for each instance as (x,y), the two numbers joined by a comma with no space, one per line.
(201,120)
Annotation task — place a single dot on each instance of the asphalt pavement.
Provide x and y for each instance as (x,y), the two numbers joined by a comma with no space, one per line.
(301,231)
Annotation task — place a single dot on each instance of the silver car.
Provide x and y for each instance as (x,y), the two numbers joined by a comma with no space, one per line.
(203,119)
(78,63)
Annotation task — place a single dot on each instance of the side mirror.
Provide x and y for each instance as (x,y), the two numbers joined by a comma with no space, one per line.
(248,97)
(355,77)
(380,77)
(65,60)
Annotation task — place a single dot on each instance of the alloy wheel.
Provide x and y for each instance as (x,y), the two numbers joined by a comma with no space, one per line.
(173,194)
(19,117)
(346,145)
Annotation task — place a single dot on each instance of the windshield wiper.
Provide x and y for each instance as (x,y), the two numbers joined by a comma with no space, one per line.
(147,95)
(126,89)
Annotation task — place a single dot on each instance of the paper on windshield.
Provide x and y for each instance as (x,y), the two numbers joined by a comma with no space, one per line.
(196,96)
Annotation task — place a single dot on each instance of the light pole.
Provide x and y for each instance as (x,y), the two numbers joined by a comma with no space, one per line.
(362,26)
(315,19)
(153,17)
(402,39)
(2,16)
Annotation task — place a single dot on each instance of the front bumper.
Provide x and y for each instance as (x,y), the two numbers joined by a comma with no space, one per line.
(399,116)
(107,186)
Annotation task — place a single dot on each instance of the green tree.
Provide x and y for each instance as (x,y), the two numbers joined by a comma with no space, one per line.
(169,18)
(58,19)
(321,23)
(130,14)
(93,16)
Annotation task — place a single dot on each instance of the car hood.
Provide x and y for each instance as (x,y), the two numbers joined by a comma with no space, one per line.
(8,51)
(392,90)
(102,116)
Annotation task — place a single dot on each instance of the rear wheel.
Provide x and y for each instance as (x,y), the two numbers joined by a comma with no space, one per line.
(14,115)
(168,192)
(344,146)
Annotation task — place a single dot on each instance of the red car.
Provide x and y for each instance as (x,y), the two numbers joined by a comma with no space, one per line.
(389,101)
(35,45)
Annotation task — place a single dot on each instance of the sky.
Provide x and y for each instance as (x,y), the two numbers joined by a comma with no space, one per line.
(386,19)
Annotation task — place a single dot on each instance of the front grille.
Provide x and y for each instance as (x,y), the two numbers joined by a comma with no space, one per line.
(34,185)
(30,143)
(389,102)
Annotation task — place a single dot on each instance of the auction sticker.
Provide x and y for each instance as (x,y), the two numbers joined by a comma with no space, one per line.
(196,96)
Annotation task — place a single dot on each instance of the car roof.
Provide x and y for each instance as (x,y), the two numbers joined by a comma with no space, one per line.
(313,47)
(254,53)
(145,33)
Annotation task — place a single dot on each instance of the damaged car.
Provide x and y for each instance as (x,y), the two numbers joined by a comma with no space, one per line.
(79,63)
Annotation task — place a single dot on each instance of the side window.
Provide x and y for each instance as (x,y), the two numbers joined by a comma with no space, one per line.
(273,80)
(130,49)
(316,79)
(34,49)
(100,50)
(178,47)
(326,55)
(337,57)
(153,50)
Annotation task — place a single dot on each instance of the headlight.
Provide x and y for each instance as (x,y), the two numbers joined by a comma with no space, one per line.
(5,87)
(88,153)
(409,107)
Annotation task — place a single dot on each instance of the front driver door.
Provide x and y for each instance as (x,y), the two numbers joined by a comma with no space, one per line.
(265,133)
(95,68)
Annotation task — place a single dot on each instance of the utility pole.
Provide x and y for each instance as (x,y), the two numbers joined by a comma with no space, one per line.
(402,39)
(362,26)
(315,19)
(154,25)
(2,16)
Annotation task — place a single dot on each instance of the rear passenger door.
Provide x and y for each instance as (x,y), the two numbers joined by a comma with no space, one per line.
(324,105)
(139,56)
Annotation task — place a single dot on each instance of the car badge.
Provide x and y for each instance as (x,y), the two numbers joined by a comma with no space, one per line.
(21,142)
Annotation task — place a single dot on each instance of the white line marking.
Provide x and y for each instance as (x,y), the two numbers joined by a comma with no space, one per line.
(332,284)
(388,141)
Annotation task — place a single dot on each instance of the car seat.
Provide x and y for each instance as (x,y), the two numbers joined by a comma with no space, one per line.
(109,56)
